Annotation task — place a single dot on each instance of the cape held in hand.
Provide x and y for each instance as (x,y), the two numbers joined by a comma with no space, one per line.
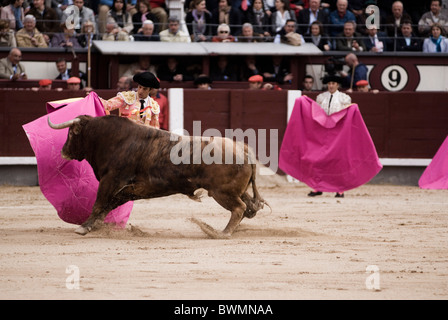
(70,186)
(329,153)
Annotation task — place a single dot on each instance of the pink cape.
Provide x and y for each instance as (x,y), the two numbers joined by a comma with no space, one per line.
(329,153)
(70,186)
(435,175)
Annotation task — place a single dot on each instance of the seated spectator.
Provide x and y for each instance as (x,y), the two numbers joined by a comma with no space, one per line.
(317,37)
(358,69)
(288,35)
(132,6)
(74,84)
(307,83)
(222,70)
(85,14)
(203,82)
(269,7)
(199,21)
(296,6)
(277,71)
(64,72)
(29,36)
(339,17)
(431,17)
(281,15)
(7,37)
(144,13)
(88,34)
(173,71)
(363,86)
(248,35)
(259,19)
(158,9)
(250,68)
(376,41)
(66,39)
(255,82)
(143,65)
(307,16)
(121,19)
(59,6)
(124,84)
(328,6)
(103,8)
(349,40)
(11,68)
(226,14)
(223,34)
(394,20)
(44,84)
(407,40)
(436,41)
(47,19)
(14,13)
(147,32)
(173,33)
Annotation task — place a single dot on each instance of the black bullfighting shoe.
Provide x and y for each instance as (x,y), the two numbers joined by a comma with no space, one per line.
(339,195)
(314,193)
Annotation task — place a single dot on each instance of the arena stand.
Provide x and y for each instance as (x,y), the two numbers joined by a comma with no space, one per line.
(406,118)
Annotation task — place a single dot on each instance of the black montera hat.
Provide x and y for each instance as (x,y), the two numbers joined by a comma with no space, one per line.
(332,78)
(147,79)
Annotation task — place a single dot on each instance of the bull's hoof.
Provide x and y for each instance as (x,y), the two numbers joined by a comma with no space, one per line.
(82,230)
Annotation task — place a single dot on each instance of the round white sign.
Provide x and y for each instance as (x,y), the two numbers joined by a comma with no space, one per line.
(394,78)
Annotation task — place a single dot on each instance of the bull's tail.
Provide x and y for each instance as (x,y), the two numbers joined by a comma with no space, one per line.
(255,203)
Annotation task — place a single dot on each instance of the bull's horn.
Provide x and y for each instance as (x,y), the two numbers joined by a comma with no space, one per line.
(62,125)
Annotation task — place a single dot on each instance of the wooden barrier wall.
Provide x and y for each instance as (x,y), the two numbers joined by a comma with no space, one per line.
(402,125)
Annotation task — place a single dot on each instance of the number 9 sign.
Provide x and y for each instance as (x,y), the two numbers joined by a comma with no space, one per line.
(394,78)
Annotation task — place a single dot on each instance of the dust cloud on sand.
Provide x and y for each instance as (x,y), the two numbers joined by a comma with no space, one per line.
(306,248)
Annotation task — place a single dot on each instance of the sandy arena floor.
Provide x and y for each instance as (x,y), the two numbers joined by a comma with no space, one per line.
(307,248)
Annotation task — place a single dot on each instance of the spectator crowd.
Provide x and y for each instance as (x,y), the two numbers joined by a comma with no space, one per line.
(338,25)
(332,25)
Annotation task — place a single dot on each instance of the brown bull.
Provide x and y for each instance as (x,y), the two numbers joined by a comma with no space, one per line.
(134,162)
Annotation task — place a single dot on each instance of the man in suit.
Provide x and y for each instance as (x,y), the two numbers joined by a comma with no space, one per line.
(65,74)
(349,40)
(11,68)
(407,41)
(376,41)
(308,16)
(394,20)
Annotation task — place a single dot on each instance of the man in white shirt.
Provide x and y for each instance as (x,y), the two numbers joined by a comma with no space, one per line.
(173,33)
(333,100)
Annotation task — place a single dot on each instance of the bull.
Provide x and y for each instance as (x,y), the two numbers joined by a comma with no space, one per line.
(133,161)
